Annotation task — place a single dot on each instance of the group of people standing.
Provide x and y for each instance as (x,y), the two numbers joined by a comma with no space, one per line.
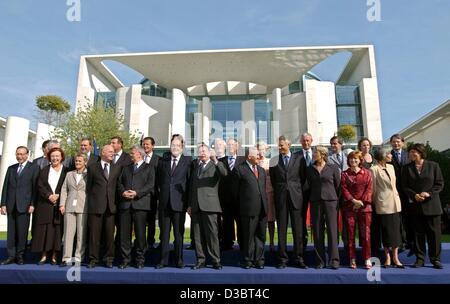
(97,202)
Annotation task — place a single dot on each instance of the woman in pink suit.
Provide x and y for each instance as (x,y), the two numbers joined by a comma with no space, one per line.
(356,184)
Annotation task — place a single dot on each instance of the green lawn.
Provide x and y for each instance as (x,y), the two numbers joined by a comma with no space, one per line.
(187,239)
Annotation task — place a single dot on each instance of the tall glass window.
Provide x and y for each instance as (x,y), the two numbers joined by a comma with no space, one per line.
(348,107)
(105,99)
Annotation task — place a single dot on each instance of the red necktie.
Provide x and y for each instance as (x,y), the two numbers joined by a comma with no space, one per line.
(255,171)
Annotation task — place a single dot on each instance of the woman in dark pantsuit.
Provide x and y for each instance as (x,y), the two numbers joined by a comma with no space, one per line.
(324,180)
(47,231)
(386,201)
(422,181)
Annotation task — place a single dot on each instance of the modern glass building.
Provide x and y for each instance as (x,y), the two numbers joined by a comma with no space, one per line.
(248,94)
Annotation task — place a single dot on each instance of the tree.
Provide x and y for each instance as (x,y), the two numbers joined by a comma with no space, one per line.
(97,123)
(52,109)
(347,132)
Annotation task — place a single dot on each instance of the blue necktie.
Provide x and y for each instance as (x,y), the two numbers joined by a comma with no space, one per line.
(231,163)
(20,169)
(308,159)
(286,160)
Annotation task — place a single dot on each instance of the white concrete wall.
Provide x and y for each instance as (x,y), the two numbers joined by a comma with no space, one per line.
(370,110)
(42,134)
(248,135)
(178,112)
(159,119)
(16,134)
(436,134)
(292,116)
(321,110)
(206,115)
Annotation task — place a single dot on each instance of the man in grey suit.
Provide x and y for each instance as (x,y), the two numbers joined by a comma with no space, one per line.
(19,190)
(204,206)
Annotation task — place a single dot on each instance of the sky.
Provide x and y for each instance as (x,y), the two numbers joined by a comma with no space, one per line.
(40,47)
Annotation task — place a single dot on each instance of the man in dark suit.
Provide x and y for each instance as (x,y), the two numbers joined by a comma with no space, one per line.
(19,191)
(306,153)
(204,206)
(287,174)
(135,186)
(85,148)
(101,188)
(230,209)
(173,180)
(249,189)
(151,158)
(399,160)
(42,161)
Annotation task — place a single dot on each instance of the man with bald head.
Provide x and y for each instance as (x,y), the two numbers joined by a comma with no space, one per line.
(101,188)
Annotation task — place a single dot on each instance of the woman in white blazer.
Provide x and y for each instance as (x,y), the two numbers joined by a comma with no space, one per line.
(387,204)
(74,207)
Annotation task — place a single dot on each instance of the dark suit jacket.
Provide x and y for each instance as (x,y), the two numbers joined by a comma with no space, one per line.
(288,180)
(430,180)
(204,188)
(20,191)
(142,181)
(225,195)
(173,189)
(45,211)
(124,160)
(101,192)
(154,166)
(325,186)
(398,171)
(249,192)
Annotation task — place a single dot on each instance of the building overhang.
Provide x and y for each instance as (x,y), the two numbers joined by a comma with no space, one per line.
(270,67)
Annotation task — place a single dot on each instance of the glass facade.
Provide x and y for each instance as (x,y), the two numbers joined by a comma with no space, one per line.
(149,88)
(348,107)
(105,99)
(228,108)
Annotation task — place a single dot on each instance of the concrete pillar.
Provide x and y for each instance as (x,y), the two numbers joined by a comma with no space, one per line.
(276,93)
(248,118)
(178,112)
(42,134)
(16,134)
(206,109)
(370,110)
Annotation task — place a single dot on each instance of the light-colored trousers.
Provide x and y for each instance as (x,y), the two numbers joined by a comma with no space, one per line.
(75,223)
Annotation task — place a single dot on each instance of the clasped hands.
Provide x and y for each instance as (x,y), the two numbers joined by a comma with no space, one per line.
(420,197)
(357,204)
(129,194)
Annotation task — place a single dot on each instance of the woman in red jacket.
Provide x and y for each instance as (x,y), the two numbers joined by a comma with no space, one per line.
(356,184)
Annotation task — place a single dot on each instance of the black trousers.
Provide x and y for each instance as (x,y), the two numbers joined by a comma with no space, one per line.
(253,239)
(325,212)
(168,219)
(427,228)
(18,224)
(407,228)
(129,219)
(283,211)
(230,215)
(151,222)
(306,198)
(101,232)
(375,234)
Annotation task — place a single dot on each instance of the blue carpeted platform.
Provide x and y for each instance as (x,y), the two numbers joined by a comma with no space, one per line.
(231,273)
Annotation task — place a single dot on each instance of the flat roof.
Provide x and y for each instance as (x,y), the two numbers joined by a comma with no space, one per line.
(271,67)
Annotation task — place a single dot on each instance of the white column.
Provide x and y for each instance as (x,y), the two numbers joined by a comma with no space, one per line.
(42,134)
(206,118)
(370,110)
(178,112)
(16,134)
(276,94)
(248,118)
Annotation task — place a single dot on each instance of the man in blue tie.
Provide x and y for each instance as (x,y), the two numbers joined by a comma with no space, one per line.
(19,191)
(306,140)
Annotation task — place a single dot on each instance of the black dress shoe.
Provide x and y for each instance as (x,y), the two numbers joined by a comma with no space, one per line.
(92,264)
(320,266)
(259,266)
(140,265)
(217,266)
(180,265)
(198,266)
(400,266)
(63,264)
(418,264)
(9,260)
(20,261)
(281,266)
(123,265)
(109,265)
(160,266)
(438,265)
(246,265)
(301,265)
(53,262)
